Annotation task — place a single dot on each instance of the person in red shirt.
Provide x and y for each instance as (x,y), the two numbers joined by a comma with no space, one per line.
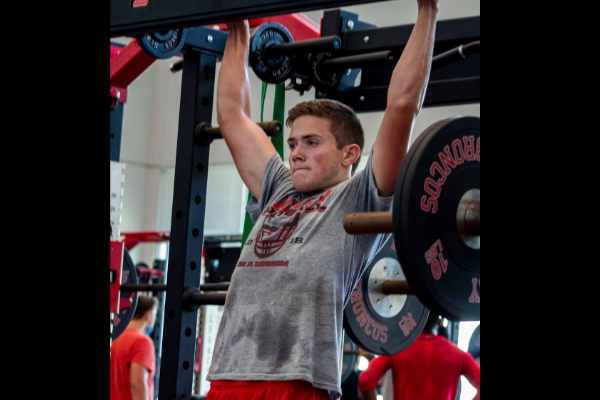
(430,369)
(132,360)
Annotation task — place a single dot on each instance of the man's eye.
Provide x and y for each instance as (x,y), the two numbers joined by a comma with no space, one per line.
(292,146)
(312,143)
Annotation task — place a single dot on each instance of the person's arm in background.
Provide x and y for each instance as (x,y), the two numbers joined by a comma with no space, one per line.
(138,382)
(471,371)
(367,382)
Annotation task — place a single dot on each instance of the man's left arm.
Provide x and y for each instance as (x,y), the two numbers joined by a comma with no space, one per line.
(404,99)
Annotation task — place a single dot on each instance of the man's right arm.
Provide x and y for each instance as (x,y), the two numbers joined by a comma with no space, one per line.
(249,145)
(138,381)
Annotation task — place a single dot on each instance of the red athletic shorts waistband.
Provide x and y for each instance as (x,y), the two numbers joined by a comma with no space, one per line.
(244,385)
(265,390)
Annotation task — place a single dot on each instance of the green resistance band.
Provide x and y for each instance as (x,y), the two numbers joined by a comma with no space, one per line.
(278,114)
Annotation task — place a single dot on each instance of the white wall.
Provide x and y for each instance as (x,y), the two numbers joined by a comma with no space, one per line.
(151,122)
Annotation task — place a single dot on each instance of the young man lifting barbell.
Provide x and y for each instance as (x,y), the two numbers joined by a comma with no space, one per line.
(281,332)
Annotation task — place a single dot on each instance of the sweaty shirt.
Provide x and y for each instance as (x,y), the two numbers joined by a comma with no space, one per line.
(131,346)
(283,315)
(429,369)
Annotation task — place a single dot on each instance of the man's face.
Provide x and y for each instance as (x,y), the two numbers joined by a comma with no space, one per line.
(315,161)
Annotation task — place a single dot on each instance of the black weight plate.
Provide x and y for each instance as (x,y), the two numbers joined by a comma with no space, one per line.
(475,343)
(323,79)
(128,300)
(440,267)
(365,319)
(274,69)
(163,44)
(348,360)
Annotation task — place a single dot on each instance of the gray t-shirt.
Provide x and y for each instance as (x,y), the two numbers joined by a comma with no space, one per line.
(283,316)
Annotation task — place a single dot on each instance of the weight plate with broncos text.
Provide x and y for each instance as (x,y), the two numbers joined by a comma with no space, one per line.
(378,323)
(438,246)
(128,300)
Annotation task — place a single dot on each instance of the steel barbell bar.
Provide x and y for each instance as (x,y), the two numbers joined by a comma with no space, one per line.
(382,222)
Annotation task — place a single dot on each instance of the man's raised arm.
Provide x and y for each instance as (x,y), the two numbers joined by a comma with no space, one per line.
(404,99)
(249,145)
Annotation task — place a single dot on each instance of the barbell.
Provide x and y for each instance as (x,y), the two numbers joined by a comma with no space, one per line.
(433,259)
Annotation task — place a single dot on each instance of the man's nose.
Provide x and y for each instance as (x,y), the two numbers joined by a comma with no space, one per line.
(297,154)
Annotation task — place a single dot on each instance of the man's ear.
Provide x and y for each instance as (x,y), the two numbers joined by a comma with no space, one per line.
(351,154)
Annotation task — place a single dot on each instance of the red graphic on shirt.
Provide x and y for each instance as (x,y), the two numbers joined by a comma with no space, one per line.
(281,220)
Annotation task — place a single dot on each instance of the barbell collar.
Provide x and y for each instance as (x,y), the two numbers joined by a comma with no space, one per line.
(378,59)
(396,287)
(327,43)
(369,223)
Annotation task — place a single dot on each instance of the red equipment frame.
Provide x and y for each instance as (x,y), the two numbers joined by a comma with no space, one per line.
(133,238)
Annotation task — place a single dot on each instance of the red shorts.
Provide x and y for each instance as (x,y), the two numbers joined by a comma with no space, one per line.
(265,390)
